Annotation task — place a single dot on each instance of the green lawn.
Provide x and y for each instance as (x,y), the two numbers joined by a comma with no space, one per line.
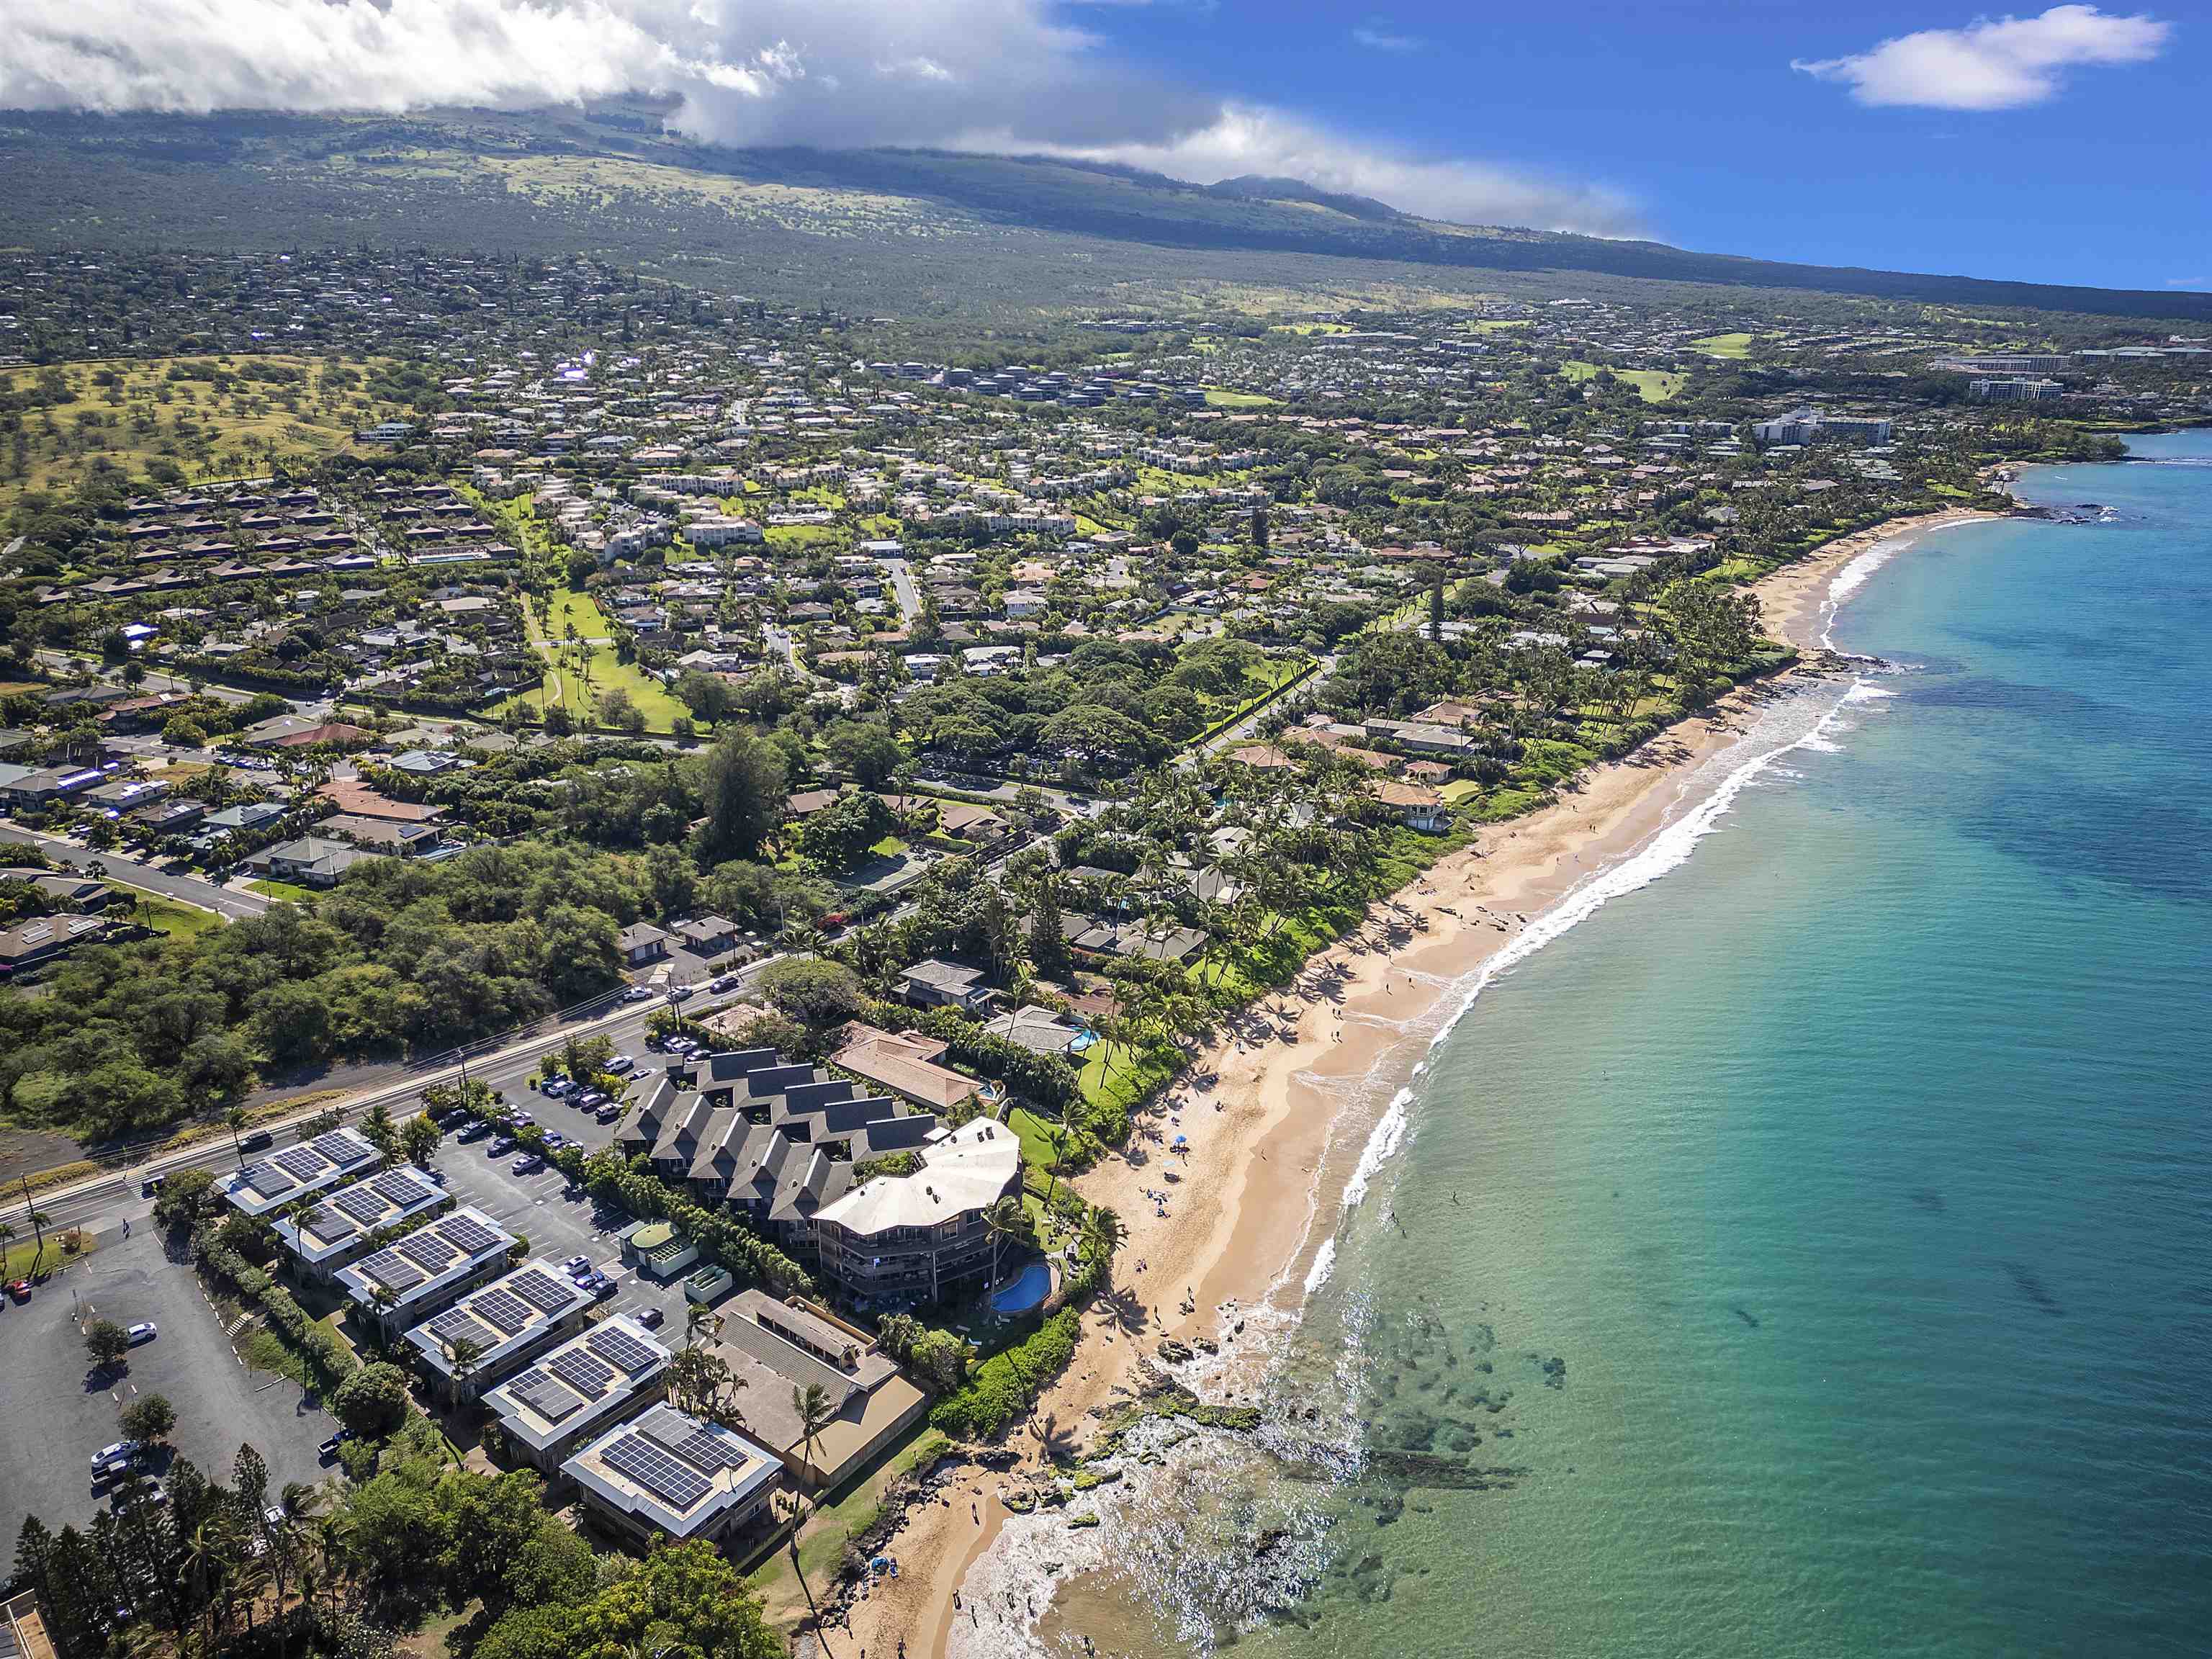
(1653,386)
(576,673)
(176,920)
(1221,397)
(282,890)
(1724,345)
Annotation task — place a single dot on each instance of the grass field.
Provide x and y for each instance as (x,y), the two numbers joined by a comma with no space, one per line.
(282,890)
(1653,386)
(1221,397)
(1724,345)
(178,920)
(208,416)
(576,673)
(822,1542)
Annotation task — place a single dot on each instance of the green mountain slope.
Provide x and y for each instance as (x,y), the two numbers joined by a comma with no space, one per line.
(611,182)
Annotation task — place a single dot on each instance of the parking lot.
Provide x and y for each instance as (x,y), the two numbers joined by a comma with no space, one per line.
(57,1413)
(533,1207)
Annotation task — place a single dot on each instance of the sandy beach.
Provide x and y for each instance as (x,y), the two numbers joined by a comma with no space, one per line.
(1272,1136)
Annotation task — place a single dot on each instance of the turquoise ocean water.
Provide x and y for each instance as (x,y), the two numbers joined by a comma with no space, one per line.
(1810,1252)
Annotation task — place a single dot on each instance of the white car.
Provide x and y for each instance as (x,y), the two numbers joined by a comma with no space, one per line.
(145,1331)
(622,1065)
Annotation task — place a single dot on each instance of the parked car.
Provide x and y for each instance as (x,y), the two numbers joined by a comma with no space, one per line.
(144,1491)
(474,1129)
(20,1289)
(610,1113)
(528,1164)
(329,1449)
(501,1146)
(142,1332)
(557,1086)
(120,1456)
(591,1100)
(650,1318)
(577,1265)
(601,1287)
(622,1065)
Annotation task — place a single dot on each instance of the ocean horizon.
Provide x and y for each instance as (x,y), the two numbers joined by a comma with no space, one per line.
(1804,1249)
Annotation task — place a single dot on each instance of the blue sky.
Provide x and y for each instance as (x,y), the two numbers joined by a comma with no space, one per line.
(1694,114)
(2065,144)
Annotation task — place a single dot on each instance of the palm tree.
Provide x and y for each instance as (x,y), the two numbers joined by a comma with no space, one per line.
(294,1506)
(810,1405)
(463,1357)
(699,1319)
(38,1219)
(1102,1233)
(1003,1219)
(234,1119)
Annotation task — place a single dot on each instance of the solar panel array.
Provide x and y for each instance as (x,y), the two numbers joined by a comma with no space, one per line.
(364,1207)
(470,1234)
(458,1325)
(398,1190)
(428,1251)
(586,1373)
(621,1347)
(328,1225)
(393,1270)
(266,1179)
(341,1150)
(704,1449)
(503,1308)
(302,1162)
(654,1470)
(542,1291)
(542,1395)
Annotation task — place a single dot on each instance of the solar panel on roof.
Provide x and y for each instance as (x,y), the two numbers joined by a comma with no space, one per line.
(538,1288)
(548,1399)
(390,1270)
(704,1449)
(266,1179)
(586,1374)
(364,1207)
(619,1347)
(326,1223)
(456,1324)
(339,1149)
(428,1251)
(656,1471)
(470,1234)
(300,1161)
(504,1308)
(398,1189)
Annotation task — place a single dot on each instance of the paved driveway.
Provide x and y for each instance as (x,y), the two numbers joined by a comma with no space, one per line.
(56,1414)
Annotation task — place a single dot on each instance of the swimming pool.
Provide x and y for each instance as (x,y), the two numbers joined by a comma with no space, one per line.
(1034,1285)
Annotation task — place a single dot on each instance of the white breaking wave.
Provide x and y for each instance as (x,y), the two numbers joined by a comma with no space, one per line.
(1324,1263)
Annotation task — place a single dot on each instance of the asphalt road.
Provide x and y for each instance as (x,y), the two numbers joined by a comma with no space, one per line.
(910,602)
(190,890)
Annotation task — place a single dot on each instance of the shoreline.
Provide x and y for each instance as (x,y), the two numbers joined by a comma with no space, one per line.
(1273,1144)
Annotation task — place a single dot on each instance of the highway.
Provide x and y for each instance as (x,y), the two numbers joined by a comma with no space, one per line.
(189,889)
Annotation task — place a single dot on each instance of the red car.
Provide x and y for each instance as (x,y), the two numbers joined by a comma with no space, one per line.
(20,1289)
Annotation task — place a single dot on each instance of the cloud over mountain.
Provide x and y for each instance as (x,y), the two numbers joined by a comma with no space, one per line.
(1007,74)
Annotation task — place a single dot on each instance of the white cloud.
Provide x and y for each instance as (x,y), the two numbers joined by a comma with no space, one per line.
(1377,35)
(834,74)
(1992,63)
(1248,139)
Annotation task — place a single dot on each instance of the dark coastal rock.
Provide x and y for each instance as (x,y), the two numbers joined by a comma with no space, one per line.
(1173,1351)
